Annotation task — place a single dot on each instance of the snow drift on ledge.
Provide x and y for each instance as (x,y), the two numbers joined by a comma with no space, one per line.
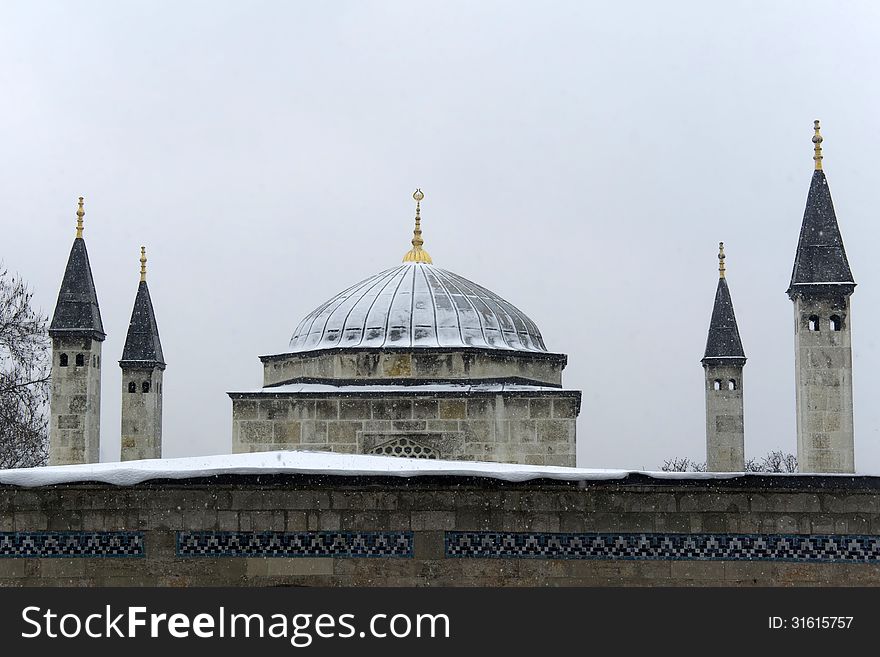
(322,463)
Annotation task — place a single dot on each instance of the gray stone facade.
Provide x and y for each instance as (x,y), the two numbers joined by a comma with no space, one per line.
(429,509)
(141,413)
(534,428)
(414,366)
(823,363)
(725,442)
(75,423)
(475,404)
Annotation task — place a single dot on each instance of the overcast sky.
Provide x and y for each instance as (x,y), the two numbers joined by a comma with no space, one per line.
(580,159)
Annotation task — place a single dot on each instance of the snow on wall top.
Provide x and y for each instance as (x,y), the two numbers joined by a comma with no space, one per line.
(314,463)
(417,305)
(408,388)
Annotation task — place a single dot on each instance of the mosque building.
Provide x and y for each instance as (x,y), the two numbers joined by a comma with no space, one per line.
(417,361)
(420,362)
(414,361)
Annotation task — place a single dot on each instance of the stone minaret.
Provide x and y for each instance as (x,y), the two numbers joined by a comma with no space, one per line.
(723,364)
(821,285)
(77,333)
(142,366)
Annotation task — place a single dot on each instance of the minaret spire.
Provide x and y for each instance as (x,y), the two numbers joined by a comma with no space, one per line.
(417,253)
(80,213)
(143,368)
(723,363)
(77,333)
(821,286)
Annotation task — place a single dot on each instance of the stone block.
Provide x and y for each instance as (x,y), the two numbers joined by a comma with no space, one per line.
(426,409)
(560,431)
(516,408)
(452,409)
(296,521)
(274,409)
(30,521)
(327,409)
(565,408)
(392,409)
(314,432)
(301,409)
(244,409)
(432,520)
(255,431)
(397,365)
(523,431)
(343,432)
(478,409)
(428,545)
(539,409)
(785,502)
(354,409)
(287,432)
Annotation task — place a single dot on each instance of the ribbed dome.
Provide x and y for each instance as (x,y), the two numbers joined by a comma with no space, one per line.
(417,305)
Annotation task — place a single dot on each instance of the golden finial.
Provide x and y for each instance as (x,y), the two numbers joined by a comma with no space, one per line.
(143,263)
(817,147)
(721,257)
(80,213)
(417,253)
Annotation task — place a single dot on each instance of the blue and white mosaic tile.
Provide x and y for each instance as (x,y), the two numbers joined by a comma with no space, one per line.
(718,547)
(71,544)
(295,544)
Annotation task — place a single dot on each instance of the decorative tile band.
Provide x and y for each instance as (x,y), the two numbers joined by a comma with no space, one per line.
(71,544)
(698,547)
(295,544)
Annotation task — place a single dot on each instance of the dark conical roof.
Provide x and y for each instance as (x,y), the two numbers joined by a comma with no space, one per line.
(142,345)
(77,312)
(820,259)
(724,342)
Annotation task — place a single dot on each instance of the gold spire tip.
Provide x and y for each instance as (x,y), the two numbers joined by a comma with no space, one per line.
(721,257)
(817,145)
(143,263)
(80,213)
(417,253)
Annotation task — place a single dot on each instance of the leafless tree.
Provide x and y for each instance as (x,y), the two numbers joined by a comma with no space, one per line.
(682,464)
(776,461)
(779,461)
(24,377)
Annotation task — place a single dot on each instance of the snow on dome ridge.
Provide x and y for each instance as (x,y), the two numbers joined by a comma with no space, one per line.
(417,305)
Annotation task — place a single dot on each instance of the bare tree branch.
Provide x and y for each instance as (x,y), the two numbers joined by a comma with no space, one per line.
(24,377)
(776,461)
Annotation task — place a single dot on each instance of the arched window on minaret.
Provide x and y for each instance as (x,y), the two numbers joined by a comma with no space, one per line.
(62,361)
(132,386)
(813,323)
(836,323)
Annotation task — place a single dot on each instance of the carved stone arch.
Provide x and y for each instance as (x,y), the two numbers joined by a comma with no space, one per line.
(404,447)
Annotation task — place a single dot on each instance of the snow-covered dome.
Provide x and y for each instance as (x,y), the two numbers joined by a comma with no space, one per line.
(417,305)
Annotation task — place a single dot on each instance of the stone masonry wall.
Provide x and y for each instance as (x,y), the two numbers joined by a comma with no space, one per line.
(823,362)
(725,443)
(141,417)
(75,422)
(531,428)
(432,365)
(435,518)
